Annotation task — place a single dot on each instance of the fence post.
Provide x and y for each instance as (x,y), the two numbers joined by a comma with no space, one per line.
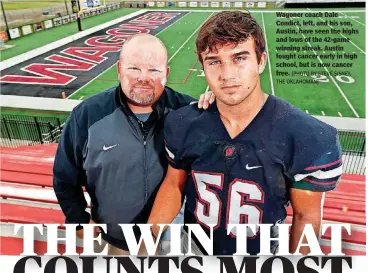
(59,125)
(5,20)
(50,129)
(38,130)
(363,145)
(7,129)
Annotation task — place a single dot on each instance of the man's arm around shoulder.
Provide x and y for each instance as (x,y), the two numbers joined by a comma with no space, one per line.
(176,99)
(180,100)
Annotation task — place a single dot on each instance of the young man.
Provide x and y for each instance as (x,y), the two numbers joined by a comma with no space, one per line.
(113,144)
(250,153)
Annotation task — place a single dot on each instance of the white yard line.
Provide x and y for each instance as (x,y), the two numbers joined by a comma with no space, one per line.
(332,78)
(361,50)
(177,51)
(339,114)
(75,92)
(207,88)
(268,56)
(307,111)
(353,19)
(323,113)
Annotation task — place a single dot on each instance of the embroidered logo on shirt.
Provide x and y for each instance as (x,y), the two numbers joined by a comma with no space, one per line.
(105,148)
(229,151)
(251,168)
(169,153)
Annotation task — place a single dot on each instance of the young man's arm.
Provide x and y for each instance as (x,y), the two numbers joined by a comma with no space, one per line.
(168,200)
(307,209)
(310,183)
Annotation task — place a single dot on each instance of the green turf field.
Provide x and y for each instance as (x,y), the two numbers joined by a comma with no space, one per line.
(27,4)
(36,40)
(330,96)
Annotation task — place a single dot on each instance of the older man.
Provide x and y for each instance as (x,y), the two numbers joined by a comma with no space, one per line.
(113,144)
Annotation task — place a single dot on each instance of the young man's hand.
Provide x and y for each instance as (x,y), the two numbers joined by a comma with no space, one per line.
(206,99)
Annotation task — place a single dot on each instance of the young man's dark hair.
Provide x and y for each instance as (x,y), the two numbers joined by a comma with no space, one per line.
(229,27)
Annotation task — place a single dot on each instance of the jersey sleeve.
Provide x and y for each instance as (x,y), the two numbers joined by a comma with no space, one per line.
(68,173)
(176,132)
(324,172)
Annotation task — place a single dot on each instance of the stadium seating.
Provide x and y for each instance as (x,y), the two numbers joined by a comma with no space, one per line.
(27,197)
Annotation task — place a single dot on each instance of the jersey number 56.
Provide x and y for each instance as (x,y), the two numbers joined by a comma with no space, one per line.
(238,211)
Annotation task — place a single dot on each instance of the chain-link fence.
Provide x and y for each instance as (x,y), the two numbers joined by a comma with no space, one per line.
(24,130)
(354,150)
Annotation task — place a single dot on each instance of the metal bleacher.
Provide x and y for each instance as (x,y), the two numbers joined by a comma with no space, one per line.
(27,197)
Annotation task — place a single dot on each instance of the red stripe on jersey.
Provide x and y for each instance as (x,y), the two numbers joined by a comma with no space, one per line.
(323,166)
(320,183)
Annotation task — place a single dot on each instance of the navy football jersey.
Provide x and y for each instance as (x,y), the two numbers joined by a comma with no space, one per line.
(247,179)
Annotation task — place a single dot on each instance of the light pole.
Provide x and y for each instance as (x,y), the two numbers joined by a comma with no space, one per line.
(66,7)
(5,21)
